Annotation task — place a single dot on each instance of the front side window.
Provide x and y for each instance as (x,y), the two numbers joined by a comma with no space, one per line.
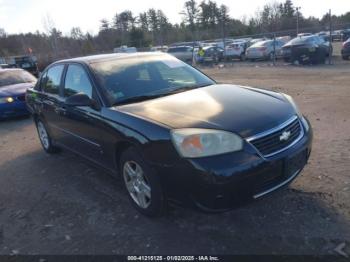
(77,81)
(52,79)
(125,78)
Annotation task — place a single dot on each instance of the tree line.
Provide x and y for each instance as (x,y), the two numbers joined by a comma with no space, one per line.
(200,21)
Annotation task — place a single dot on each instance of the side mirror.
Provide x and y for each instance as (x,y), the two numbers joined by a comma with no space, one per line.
(79,99)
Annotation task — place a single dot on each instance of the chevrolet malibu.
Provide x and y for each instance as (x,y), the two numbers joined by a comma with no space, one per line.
(169,131)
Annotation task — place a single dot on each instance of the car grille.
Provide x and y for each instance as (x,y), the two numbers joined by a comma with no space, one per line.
(278,139)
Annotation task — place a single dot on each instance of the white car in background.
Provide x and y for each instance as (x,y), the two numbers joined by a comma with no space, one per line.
(125,49)
(160,48)
(184,53)
(236,50)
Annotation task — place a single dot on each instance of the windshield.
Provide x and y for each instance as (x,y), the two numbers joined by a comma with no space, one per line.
(123,79)
(15,77)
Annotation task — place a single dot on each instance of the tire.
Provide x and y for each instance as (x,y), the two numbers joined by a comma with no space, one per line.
(45,138)
(142,184)
(345,57)
(242,57)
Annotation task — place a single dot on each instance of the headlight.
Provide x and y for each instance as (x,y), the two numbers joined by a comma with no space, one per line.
(301,117)
(4,100)
(305,124)
(291,101)
(193,142)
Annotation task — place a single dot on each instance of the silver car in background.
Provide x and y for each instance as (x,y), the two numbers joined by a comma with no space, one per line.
(264,50)
(184,53)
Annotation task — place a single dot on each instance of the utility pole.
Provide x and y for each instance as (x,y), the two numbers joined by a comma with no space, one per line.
(330,51)
(298,8)
(274,49)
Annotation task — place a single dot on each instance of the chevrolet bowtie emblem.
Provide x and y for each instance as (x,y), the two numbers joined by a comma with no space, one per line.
(285,136)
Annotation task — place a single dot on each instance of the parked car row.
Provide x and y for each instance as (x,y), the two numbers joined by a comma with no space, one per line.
(26,62)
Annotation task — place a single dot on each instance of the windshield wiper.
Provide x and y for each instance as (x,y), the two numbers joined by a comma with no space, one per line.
(186,88)
(138,99)
(152,96)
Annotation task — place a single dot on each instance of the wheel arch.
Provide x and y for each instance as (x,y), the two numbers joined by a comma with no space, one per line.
(121,147)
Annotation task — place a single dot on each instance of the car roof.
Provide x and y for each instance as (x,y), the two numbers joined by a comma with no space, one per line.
(98,58)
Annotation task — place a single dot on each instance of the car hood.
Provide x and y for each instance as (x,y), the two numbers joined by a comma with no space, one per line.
(13,90)
(243,110)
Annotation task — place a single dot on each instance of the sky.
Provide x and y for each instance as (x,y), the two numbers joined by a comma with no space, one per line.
(21,16)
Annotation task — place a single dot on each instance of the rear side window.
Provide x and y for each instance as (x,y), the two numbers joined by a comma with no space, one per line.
(77,81)
(52,79)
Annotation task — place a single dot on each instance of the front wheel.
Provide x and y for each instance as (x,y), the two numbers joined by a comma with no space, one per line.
(142,184)
(45,138)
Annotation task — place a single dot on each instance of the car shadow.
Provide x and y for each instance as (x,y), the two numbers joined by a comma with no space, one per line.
(61,204)
(15,123)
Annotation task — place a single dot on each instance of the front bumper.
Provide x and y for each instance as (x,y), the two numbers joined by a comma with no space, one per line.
(222,182)
(14,109)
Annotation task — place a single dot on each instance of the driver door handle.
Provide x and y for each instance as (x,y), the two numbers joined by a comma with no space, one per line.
(62,110)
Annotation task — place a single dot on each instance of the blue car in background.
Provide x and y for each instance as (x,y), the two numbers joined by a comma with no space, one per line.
(13,86)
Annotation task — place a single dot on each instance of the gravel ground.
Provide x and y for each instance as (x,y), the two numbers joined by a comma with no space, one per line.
(62,205)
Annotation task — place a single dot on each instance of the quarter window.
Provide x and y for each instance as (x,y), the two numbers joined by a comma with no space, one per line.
(77,81)
(52,79)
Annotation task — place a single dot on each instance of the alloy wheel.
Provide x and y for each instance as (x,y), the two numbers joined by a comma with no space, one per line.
(44,138)
(137,184)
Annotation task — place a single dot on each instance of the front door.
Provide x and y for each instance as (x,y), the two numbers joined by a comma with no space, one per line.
(82,125)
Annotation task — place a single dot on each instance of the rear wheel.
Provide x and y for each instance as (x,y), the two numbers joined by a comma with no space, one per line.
(45,138)
(142,184)
(345,57)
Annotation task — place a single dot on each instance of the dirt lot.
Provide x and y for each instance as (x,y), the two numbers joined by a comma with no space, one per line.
(62,205)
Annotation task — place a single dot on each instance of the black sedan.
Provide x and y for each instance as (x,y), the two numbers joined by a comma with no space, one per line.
(306,49)
(213,54)
(169,131)
(345,51)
